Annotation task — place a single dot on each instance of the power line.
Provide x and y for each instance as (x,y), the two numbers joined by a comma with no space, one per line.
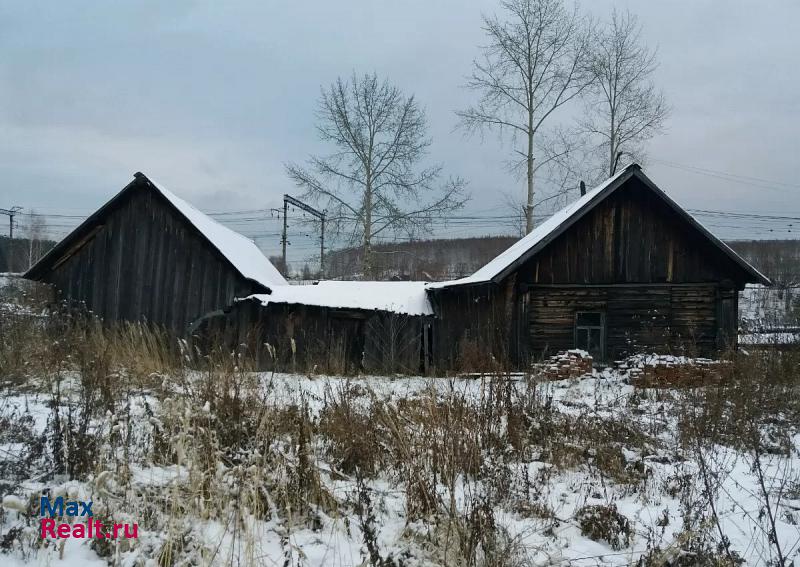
(734,214)
(728,176)
(256,223)
(450,220)
(11,213)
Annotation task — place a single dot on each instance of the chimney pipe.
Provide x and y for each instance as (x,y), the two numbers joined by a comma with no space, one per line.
(583,188)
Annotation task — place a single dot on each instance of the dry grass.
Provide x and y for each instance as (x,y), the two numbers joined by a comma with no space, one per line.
(241,459)
(754,392)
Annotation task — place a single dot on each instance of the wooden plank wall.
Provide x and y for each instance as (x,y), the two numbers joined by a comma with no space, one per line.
(145,262)
(332,340)
(485,320)
(631,237)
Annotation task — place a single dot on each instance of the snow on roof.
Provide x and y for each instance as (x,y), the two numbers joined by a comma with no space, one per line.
(238,249)
(542,233)
(538,234)
(407,298)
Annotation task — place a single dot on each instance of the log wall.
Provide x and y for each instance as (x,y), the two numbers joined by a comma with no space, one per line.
(680,319)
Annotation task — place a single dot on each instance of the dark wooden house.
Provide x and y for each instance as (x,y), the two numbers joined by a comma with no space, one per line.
(148,255)
(623,269)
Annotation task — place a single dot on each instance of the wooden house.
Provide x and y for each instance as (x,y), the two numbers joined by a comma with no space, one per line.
(622,269)
(147,255)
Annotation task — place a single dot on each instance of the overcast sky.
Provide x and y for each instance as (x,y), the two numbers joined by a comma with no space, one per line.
(212,98)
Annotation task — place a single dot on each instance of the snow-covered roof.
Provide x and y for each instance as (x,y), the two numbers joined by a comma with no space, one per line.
(537,235)
(408,298)
(238,249)
(553,226)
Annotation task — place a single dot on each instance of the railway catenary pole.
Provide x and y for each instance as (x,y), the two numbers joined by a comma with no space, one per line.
(287,199)
(12,212)
(283,238)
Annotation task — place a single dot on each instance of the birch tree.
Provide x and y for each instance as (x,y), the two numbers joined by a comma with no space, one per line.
(372,184)
(35,233)
(534,63)
(625,109)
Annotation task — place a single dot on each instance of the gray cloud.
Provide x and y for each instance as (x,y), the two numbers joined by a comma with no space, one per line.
(212,98)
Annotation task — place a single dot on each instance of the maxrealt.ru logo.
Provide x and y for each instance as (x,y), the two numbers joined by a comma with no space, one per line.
(54,513)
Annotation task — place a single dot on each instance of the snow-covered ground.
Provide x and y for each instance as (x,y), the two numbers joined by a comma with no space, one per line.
(240,468)
(769,315)
(535,501)
(761,306)
(8,279)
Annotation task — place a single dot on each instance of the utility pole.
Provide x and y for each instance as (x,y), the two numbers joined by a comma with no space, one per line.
(283,238)
(287,199)
(12,212)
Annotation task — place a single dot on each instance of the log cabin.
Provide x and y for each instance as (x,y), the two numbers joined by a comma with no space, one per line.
(623,269)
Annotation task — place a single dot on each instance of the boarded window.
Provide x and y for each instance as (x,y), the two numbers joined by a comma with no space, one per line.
(590,333)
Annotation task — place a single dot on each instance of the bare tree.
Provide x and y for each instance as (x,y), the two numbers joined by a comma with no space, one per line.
(625,109)
(535,62)
(371,184)
(35,232)
(564,161)
(285,269)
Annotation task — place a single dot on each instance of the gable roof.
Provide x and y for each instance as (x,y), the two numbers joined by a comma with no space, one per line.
(546,232)
(238,250)
(409,298)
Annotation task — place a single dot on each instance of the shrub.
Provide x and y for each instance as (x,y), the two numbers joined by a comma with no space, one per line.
(605,524)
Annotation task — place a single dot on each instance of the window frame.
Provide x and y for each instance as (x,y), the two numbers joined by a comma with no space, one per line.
(588,328)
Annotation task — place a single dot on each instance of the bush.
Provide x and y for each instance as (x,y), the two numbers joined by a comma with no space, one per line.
(605,524)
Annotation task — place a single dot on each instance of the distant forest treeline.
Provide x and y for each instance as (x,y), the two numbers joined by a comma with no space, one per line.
(779,260)
(438,260)
(434,260)
(18,254)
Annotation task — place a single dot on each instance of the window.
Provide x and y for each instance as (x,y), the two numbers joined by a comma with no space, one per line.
(590,333)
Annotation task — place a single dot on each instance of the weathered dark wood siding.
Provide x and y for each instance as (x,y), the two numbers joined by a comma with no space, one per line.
(301,337)
(144,262)
(662,285)
(483,321)
(630,237)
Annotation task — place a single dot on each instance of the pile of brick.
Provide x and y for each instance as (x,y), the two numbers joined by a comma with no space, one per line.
(665,371)
(569,364)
